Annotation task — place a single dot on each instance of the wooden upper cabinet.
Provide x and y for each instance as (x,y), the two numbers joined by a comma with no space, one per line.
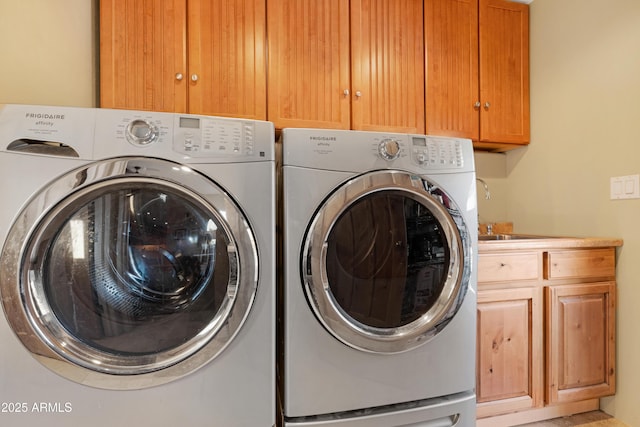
(504,71)
(477,71)
(344,64)
(142,49)
(387,65)
(227,58)
(308,67)
(451,33)
(191,56)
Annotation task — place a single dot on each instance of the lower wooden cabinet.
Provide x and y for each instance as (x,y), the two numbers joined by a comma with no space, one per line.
(580,341)
(545,332)
(509,364)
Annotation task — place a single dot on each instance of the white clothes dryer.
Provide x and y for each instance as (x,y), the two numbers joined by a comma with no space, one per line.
(379,290)
(137,270)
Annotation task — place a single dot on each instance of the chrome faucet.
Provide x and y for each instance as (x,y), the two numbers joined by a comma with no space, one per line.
(487,194)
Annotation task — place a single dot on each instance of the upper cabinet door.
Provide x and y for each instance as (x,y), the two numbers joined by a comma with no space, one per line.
(387,65)
(504,71)
(227,58)
(452,94)
(308,67)
(142,55)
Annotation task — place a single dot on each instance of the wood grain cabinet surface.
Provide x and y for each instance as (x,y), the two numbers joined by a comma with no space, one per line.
(441,67)
(477,71)
(189,56)
(509,362)
(546,332)
(344,64)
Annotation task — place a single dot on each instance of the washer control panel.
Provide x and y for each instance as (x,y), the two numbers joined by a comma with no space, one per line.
(435,152)
(207,136)
(195,136)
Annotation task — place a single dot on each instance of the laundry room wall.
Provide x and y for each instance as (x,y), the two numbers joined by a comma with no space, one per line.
(48,52)
(585,87)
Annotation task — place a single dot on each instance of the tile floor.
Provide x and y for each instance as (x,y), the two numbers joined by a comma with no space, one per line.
(574,420)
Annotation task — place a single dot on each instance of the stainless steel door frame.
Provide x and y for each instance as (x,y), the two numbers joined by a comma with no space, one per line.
(22,282)
(327,309)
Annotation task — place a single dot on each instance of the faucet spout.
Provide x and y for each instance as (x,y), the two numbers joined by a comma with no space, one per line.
(487,193)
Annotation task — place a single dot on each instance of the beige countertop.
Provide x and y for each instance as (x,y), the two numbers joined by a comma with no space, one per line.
(547,242)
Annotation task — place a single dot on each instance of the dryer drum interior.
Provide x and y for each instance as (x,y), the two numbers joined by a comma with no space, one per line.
(386,261)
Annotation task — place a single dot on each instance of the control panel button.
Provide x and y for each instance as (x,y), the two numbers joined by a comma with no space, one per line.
(389,149)
(142,132)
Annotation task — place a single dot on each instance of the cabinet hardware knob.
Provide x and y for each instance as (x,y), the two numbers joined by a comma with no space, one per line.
(476,105)
(194,77)
(487,105)
(179,76)
(346,92)
(358,94)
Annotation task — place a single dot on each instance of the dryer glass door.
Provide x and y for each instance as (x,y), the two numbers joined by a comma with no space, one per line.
(386,261)
(128,272)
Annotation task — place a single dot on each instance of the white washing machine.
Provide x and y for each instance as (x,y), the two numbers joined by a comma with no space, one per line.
(379,292)
(137,270)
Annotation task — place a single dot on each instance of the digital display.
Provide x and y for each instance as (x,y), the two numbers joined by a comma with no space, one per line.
(421,142)
(189,122)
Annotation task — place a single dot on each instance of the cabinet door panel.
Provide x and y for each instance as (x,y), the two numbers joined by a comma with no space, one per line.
(387,65)
(504,71)
(581,341)
(509,371)
(227,49)
(308,71)
(142,48)
(451,34)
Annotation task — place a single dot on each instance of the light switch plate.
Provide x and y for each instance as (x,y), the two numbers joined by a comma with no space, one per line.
(625,187)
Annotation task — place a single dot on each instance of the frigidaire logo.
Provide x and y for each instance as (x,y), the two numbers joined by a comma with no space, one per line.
(322,141)
(322,138)
(44,116)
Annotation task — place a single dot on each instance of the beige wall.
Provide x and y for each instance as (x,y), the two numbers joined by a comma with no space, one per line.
(48,52)
(585,111)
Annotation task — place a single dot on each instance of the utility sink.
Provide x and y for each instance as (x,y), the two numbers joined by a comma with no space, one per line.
(488,237)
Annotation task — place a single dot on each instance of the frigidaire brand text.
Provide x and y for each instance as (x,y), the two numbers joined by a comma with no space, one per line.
(44,116)
(322,140)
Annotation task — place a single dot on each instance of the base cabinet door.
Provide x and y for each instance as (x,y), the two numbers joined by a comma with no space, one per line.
(580,341)
(509,363)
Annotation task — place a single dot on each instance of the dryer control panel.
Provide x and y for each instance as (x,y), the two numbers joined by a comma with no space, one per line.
(434,152)
(347,150)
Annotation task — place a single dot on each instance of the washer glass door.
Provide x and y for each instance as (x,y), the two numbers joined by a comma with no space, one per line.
(385,262)
(128,272)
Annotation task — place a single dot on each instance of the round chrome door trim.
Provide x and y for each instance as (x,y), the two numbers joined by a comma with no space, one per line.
(36,325)
(384,340)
